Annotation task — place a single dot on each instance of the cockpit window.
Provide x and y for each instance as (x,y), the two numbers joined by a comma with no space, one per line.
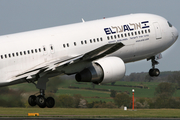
(170,25)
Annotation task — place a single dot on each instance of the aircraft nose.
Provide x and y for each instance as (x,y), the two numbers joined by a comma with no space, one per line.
(175,33)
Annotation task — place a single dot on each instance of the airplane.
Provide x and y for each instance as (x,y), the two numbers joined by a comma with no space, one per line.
(95,51)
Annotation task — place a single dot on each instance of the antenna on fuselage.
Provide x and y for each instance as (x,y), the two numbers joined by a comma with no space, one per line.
(83,20)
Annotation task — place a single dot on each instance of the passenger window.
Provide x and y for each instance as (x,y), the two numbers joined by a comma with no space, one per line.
(94,40)
(98,39)
(122,35)
(114,36)
(149,30)
(5,56)
(108,37)
(43,49)
(90,41)
(1,56)
(17,54)
(85,42)
(142,32)
(32,51)
(51,47)
(13,54)
(111,37)
(82,42)
(9,55)
(24,52)
(101,39)
(135,33)
(28,52)
(36,50)
(118,36)
(74,43)
(125,35)
(20,53)
(139,32)
(145,31)
(67,44)
(132,33)
(63,46)
(39,49)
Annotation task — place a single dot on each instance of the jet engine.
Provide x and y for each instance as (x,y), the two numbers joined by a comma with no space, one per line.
(104,70)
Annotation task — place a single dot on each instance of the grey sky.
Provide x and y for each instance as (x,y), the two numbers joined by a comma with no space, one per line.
(24,15)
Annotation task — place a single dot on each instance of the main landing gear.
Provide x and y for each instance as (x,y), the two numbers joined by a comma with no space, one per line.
(154,72)
(40,100)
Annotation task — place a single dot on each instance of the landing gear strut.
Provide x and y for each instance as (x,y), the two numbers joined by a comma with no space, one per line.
(40,100)
(154,72)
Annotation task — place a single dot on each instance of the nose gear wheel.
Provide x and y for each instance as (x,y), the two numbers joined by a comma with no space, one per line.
(154,72)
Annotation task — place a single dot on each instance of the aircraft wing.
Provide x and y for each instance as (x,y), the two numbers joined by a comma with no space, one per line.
(92,55)
(102,51)
(50,67)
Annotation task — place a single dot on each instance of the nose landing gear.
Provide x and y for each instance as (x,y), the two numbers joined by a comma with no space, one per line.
(154,72)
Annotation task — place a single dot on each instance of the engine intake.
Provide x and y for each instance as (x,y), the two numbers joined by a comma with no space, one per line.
(91,74)
(109,69)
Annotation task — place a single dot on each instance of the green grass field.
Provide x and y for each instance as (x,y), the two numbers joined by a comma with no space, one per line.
(93,95)
(138,91)
(91,113)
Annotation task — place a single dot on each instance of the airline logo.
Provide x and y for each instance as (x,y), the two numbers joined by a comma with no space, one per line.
(127,27)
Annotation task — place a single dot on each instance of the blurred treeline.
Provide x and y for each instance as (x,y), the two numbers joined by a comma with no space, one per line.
(170,76)
(169,82)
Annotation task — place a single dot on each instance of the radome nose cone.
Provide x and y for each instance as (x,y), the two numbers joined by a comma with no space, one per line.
(176,33)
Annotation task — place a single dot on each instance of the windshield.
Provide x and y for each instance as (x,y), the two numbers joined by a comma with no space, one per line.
(170,25)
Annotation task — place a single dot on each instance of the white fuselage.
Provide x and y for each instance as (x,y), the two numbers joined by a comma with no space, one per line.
(144,35)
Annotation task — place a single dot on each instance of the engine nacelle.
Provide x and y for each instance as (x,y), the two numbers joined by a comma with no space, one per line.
(105,70)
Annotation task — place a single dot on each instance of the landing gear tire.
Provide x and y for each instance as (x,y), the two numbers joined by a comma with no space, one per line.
(50,102)
(32,100)
(157,72)
(151,72)
(41,101)
(154,72)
